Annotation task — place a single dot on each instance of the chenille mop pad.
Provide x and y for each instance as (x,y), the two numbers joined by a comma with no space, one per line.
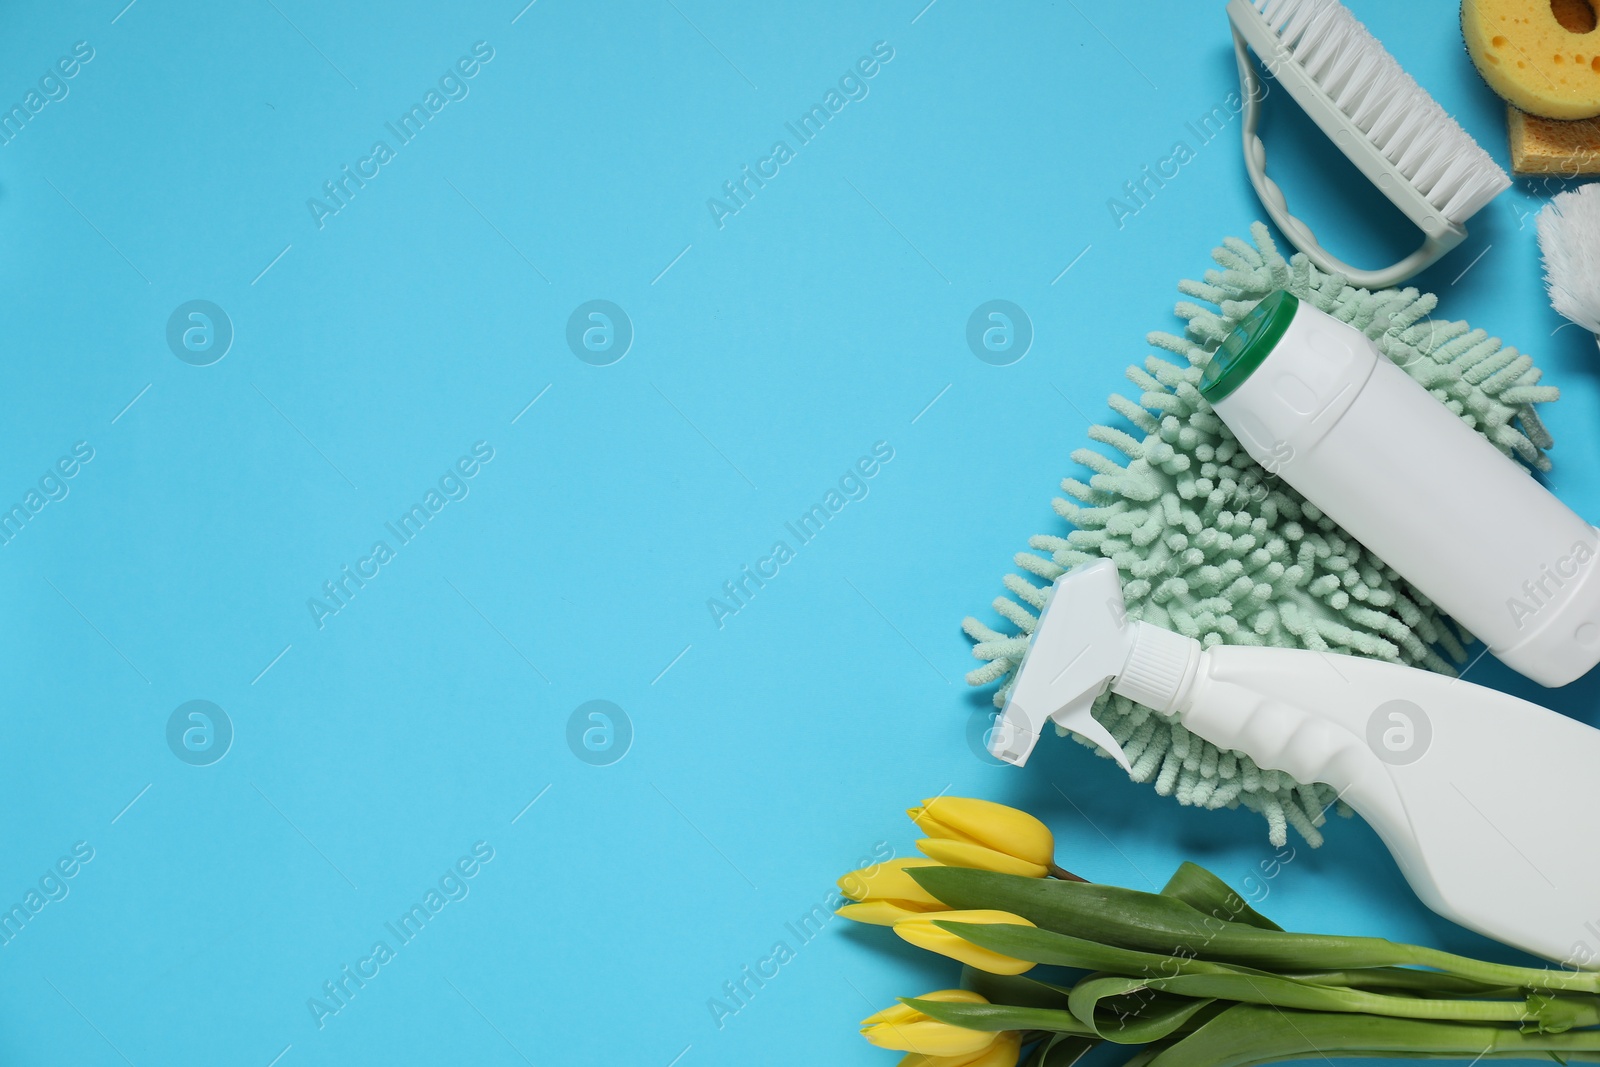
(1211,545)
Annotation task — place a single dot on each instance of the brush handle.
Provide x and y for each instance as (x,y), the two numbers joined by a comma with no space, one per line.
(1434,244)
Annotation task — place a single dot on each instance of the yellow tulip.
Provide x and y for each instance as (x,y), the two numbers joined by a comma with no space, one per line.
(878,912)
(885,893)
(920,930)
(964,832)
(889,881)
(966,854)
(905,1029)
(1003,1053)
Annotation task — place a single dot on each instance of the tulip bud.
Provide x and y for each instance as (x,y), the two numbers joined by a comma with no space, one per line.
(964,832)
(1005,1052)
(889,881)
(885,893)
(907,1030)
(920,930)
(877,912)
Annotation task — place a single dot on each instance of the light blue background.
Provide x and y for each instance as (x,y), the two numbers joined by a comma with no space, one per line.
(769,755)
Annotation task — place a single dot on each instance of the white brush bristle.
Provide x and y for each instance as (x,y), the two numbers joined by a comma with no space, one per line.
(1386,104)
(1569,241)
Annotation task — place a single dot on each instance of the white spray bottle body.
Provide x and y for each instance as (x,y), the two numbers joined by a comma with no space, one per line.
(1480,796)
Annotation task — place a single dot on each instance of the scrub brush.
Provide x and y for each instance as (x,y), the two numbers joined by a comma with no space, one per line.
(1376,113)
(1211,545)
(1569,241)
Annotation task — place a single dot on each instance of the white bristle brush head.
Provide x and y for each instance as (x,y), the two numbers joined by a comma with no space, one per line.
(1569,242)
(1396,115)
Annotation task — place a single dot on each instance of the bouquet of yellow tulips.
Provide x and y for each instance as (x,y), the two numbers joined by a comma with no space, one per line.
(1192,973)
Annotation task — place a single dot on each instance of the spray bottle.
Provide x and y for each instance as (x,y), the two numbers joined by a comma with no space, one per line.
(1478,794)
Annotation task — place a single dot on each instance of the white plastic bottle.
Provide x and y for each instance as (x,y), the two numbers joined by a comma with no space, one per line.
(1480,796)
(1314,401)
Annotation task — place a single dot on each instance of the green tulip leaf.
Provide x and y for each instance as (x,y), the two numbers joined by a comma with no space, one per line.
(1127,1011)
(1014,989)
(1401,979)
(1249,1034)
(1063,950)
(1210,895)
(997,1017)
(1087,995)
(1284,992)
(1558,1014)
(1205,980)
(1150,923)
(1059,1050)
(1147,922)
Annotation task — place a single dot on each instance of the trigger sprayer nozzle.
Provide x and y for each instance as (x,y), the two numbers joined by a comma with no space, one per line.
(1080,644)
(1085,643)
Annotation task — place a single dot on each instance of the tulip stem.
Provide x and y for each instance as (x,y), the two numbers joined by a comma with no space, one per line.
(1063,874)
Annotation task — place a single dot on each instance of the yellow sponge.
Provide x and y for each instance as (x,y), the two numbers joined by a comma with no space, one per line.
(1553,146)
(1541,55)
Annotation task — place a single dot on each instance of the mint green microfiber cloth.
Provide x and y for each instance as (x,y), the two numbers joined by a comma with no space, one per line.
(1211,545)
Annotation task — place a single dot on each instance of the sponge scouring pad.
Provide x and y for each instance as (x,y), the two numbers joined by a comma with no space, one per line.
(1564,148)
(1211,545)
(1541,56)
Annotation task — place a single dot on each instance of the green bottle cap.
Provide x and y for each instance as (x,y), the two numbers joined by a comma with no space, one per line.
(1257,334)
